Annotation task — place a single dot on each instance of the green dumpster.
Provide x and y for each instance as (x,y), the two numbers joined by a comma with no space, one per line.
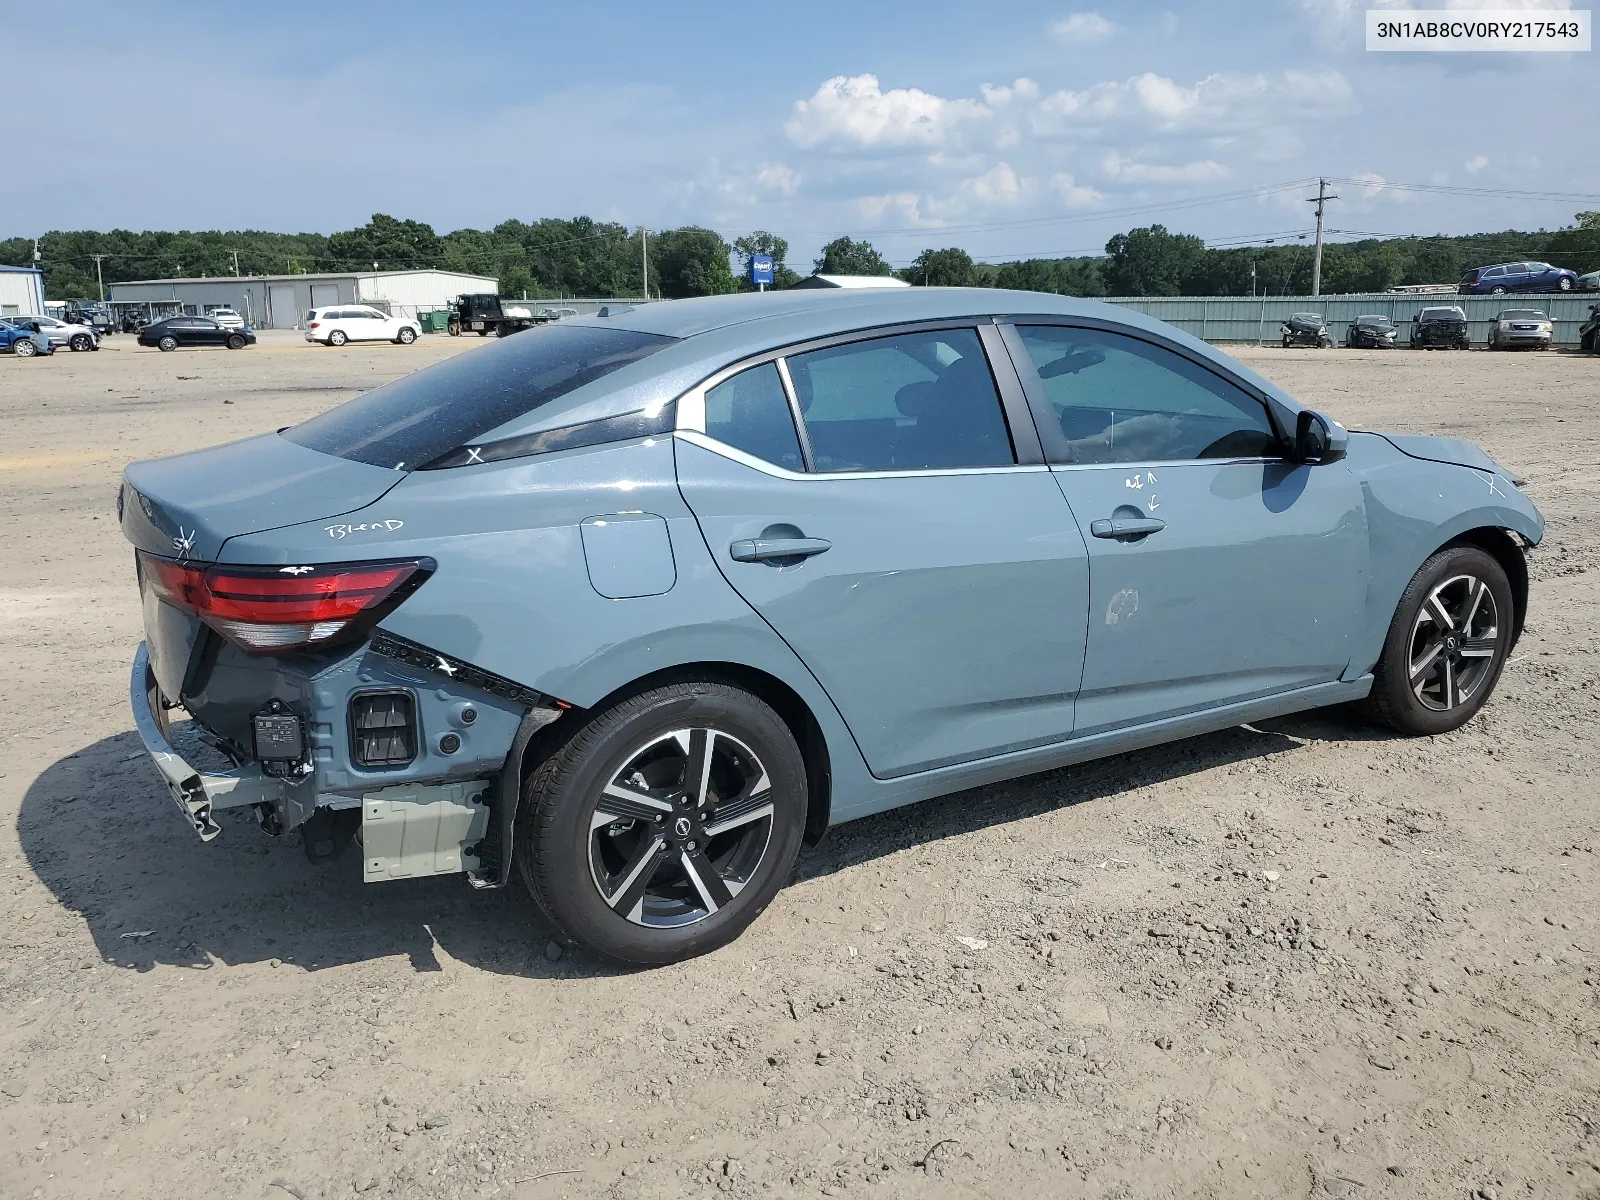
(435,321)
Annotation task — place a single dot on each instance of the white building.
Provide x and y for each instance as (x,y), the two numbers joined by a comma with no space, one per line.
(21,292)
(281,301)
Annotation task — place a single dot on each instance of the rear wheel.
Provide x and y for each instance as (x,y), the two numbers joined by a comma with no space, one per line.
(167,342)
(24,348)
(664,825)
(337,338)
(81,341)
(1447,644)
(407,336)
(236,341)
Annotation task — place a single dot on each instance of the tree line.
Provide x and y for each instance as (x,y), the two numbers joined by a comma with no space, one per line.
(555,257)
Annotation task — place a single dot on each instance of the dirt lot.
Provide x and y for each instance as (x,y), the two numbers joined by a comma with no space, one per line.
(1304,959)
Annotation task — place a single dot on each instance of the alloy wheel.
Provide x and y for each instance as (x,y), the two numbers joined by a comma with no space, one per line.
(681,828)
(1454,641)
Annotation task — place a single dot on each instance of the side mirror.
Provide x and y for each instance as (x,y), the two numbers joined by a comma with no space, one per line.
(1319,438)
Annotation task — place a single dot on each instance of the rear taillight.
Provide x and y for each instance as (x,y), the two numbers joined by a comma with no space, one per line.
(314,325)
(268,610)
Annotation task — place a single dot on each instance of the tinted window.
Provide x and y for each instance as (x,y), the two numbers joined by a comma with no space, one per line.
(1494,272)
(1116,398)
(910,402)
(421,416)
(751,413)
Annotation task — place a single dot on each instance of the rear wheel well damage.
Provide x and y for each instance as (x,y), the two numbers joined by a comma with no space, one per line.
(772,691)
(1505,548)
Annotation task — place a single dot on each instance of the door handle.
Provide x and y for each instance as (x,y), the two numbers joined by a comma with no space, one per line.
(1126,527)
(767,549)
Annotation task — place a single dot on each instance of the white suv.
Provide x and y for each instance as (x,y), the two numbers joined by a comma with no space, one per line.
(358,323)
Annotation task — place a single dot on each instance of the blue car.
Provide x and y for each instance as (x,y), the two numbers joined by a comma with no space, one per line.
(1516,277)
(22,337)
(634,605)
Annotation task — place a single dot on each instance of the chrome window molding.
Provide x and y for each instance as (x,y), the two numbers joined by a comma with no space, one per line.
(696,437)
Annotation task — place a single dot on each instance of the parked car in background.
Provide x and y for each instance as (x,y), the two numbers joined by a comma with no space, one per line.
(1517,277)
(1521,327)
(335,326)
(61,333)
(23,340)
(90,313)
(227,318)
(1439,328)
(1589,331)
(1305,329)
(1375,332)
(194,331)
(1589,282)
(630,607)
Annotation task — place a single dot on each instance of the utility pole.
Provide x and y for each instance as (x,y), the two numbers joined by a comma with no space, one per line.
(99,275)
(1316,259)
(235,254)
(644,258)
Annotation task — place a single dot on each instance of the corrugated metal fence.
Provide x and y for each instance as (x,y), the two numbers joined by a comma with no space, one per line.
(1242,319)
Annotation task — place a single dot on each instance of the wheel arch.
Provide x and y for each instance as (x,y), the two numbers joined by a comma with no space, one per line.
(1501,545)
(790,706)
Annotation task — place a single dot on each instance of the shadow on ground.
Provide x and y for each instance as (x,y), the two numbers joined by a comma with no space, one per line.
(103,835)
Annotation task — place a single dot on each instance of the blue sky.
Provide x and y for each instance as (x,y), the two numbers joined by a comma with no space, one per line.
(1010,129)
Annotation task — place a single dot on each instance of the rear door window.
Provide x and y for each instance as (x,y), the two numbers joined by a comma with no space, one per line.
(1119,399)
(422,416)
(750,412)
(914,401)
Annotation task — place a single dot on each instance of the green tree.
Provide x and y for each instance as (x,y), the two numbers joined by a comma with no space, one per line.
(951,267)
(1152,262)
(842,256)
(691,262)
(388,243)
(762,242)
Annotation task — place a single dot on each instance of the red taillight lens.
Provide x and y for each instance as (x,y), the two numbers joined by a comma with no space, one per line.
(314,325)
(271,609)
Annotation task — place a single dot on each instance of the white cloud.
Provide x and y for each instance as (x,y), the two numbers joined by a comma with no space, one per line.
(1072,193)
(853,111)
(776,177)
(998,185)
(1477,163)
(1125,170)
(1081,28)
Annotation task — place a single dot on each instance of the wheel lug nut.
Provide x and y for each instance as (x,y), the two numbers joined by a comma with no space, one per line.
(689,845)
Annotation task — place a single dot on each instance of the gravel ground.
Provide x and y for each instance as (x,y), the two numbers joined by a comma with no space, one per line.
(1302,958)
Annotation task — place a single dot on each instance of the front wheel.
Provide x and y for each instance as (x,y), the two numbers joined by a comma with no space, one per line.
(407,336)
(81,341)
(337,338)
(236,341)
(167,342)
(1447,644)
(664,825)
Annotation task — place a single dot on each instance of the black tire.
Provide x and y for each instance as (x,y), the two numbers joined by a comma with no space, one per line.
(483,333)
(81,342)
(1285,341)
(453,329)
(236,341)
(167,343)
(568,853)
(1430,679)
(406,336)
(1499,291)
(337,338)
(24,348)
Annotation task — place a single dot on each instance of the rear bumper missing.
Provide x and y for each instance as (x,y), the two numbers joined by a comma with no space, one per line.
(197,793)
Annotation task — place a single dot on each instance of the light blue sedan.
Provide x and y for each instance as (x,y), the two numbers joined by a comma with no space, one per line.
(636,604)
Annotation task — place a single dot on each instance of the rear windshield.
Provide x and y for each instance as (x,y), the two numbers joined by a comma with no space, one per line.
(417,418)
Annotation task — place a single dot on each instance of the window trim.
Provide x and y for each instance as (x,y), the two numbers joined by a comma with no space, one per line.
(1014,409)
(1044,415)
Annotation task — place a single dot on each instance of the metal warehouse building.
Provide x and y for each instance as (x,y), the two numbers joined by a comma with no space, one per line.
(21,292)
(281,301)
